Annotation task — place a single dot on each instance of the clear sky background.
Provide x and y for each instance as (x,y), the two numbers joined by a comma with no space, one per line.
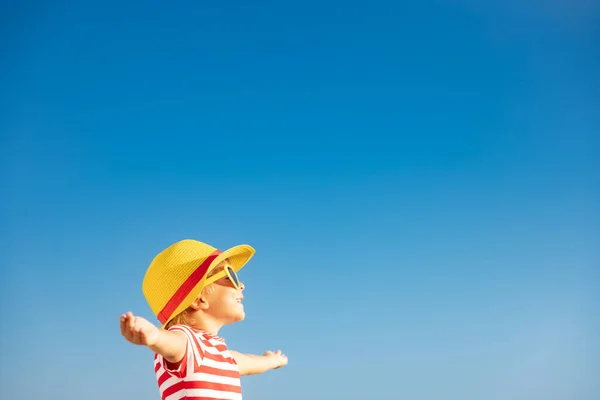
(420,182)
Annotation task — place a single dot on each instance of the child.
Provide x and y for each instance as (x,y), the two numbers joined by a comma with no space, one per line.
(193,289)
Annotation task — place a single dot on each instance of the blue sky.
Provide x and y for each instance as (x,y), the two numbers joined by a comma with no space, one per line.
(419,181)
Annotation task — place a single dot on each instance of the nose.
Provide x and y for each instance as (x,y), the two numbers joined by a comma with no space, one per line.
(242,287)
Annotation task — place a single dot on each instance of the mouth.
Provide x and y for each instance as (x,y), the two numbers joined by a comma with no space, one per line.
(239,299)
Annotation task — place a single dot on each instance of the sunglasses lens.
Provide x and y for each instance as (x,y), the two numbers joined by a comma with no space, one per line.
(233,276)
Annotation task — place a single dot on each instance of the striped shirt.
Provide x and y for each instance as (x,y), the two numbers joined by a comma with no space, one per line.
(207,371)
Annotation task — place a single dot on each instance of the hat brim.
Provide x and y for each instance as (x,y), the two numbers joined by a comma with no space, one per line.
(238,257)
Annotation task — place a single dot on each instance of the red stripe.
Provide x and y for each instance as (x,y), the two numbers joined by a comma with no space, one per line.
(219,358)
(186,288)
(196,342)
(205,369)
(163,378)
(194,397)
(182,385)
(176,387)
(193,341)
(207,343)
(198,398)
(222,387)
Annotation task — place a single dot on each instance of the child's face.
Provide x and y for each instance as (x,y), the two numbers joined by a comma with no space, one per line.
(225,301)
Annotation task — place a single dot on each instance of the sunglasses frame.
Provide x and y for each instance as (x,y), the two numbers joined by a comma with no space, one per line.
(230,273)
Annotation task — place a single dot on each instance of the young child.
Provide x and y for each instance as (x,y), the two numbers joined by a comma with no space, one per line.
(193,290)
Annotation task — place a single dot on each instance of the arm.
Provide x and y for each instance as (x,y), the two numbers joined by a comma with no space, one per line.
(250,364)
(170,345)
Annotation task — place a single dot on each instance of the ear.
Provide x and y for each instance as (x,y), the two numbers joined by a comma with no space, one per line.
(200,303)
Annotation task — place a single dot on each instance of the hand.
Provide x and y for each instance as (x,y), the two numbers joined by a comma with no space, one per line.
(138,330)
(279,359)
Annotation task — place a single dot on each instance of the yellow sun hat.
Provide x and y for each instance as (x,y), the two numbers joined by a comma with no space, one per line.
(177,275)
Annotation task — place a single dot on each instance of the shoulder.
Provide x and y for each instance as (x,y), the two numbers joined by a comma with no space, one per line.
(181,328)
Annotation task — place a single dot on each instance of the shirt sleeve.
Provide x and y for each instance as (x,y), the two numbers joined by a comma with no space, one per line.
(194,353)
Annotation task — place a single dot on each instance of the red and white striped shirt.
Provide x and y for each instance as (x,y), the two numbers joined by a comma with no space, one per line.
(207,372)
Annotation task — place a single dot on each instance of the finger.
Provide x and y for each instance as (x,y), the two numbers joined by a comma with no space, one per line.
(127,329)
(125,320)
(138,328)
(278,352)
(136,333)
(131,326)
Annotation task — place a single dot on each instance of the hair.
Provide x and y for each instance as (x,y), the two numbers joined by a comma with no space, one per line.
(184,317)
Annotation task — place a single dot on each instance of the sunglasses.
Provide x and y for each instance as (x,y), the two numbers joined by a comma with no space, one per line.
(227,271)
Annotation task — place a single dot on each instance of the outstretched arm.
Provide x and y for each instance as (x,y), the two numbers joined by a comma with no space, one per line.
(137,330)
(250,364)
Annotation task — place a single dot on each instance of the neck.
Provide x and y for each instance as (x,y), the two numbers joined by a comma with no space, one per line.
(206,324)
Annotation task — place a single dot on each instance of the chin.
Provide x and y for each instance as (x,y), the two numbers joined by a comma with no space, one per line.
(239,317)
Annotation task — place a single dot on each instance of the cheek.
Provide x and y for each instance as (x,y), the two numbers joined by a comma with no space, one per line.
(225,297)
